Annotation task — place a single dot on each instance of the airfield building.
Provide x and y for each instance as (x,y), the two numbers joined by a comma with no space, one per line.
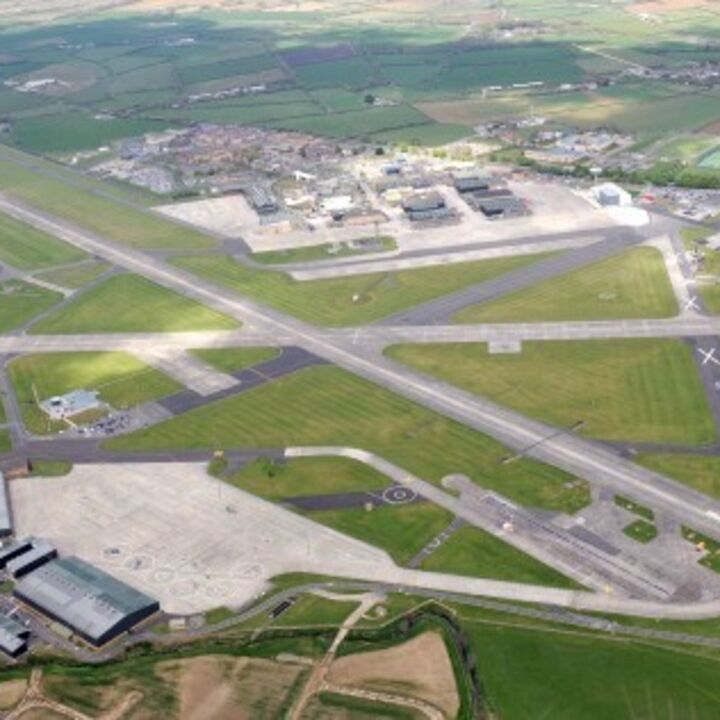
(427,207)
(469,183)
(262,201)
(13,636)
(611,195)
(12,550)
(37,554)
(5,515)
(505,206)
(95,605)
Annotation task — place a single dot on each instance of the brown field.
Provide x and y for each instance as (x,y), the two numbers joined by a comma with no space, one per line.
(418,668)
(664,6)
(229,688)
(11,692)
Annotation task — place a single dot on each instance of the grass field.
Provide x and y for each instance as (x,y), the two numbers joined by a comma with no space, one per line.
(306,476)
(632,390)
(708,547)
(697,471)
(533,673)
(471,551)
(331,302)
(121,379)
(327,406)
(634,507)
(76,276)
(26,248)
(5,441)
(231,360)
(641,530)
(129,303)
(20,302)
(633,284)
(80,202)
(70,131)
(314,610)
(401,530)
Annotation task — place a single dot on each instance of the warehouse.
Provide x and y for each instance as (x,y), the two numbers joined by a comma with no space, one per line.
(427,207)
(12,550)
(5,517)
(469,183)
(502,207)
(13,636)
(38,553)
(92,603)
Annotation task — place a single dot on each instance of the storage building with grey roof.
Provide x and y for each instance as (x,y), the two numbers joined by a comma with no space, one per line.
(95,605)
(13,636)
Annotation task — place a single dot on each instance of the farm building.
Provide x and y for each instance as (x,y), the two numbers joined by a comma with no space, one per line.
(13,636)
(34,556)
(92,603)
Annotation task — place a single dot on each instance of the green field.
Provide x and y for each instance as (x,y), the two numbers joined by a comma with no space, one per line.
(306,476)
(59,192)
(327,406)
(634,507)
(701,472)
(129,303)
(5,441)
(633,284)
(641,530)
(70,131)
(121,379)
(708,548)
(314,610)
(230,360)
(567,675)
(471,551)
(400,530)
(76,276)
(630,390)
(20,302)
(351,300)
(26,248)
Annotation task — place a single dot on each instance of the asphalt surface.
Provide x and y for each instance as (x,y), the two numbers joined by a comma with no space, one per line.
(442,309)
(580,457)
(290,360)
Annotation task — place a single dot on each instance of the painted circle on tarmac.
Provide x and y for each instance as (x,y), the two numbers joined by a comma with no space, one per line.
(397,495)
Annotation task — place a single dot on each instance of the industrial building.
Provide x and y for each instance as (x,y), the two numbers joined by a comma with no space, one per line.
(262,200)
(465,183)
(611,195)
(427,207)
(503,206)
(12,550)
(13,636)
(93,604)
(37,553)
(5,514)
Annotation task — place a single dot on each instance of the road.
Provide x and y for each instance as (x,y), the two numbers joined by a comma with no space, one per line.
(580,457)
(442,309)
